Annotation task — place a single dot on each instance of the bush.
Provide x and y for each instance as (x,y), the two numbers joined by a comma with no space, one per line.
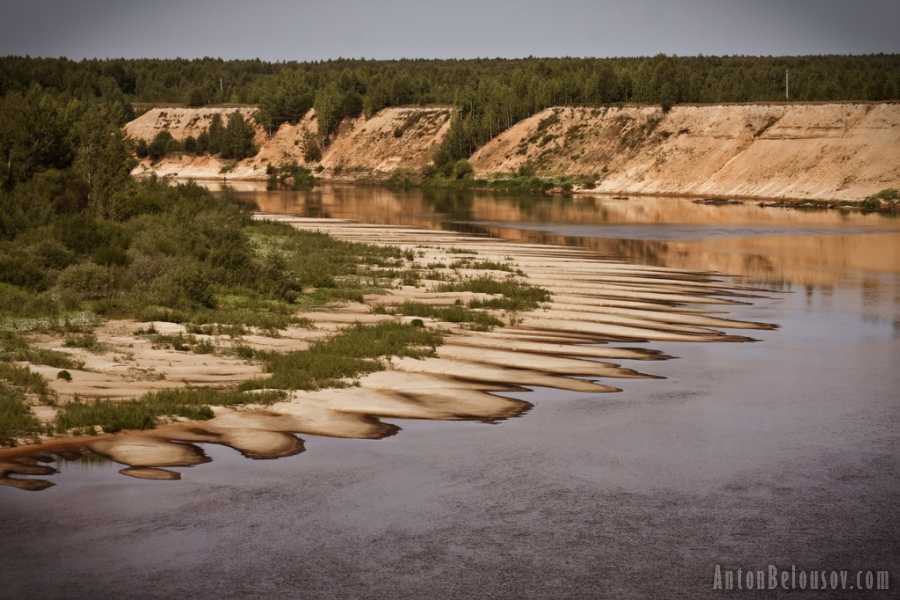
(15,348)
(84,281)
(477,320)
(462,169)
(162,144)
(141,149)
(186,284)
(16,419)
(311,151)
(23,378)
(514,294)
(190,144)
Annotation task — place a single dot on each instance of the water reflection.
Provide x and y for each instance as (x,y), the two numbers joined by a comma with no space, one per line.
(811,253)
(777,247)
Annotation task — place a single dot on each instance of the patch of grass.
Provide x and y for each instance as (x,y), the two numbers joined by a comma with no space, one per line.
(456,313)
(15,348)
(16,419)
(24,378)
(87,341)
(486,265)
(18,302)
(291,176)
(231,330)
(234,309)
(353,352)
(460,251)
(203,347)
(887,201)
(145,412)
(515,294)
(244,352)
(182,343)
(404,276)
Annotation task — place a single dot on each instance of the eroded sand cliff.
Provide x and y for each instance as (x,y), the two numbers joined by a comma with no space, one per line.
(392,139)
(818,151)
(823,151)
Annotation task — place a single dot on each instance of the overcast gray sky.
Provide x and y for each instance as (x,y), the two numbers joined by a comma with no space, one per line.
(315,29)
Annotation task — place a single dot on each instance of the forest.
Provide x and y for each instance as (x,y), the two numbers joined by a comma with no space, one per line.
(491,94)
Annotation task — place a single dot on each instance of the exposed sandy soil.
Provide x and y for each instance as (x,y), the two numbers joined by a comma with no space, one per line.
(183,122)
(818,151)
(840,151)
(393,139)
(402,138)
(599,310)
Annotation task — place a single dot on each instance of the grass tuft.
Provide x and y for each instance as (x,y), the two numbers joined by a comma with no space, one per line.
(353,352)
(15,348)
(16,419)
(456,313)
(145,412)
(515,294)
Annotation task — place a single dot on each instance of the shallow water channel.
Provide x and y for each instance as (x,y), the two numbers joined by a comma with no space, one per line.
(785,451)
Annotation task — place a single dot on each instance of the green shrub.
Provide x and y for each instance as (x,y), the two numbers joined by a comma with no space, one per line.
(87,341)
(24,378)
(162,144)
(16,419)
(312,152)
(352,352)
(462,169)
(456,313)
(84,281)
(144,412)
(190,144)
(515,295)
(15,348)
(141,149)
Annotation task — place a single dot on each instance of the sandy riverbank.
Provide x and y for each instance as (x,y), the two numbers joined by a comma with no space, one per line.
(600,309)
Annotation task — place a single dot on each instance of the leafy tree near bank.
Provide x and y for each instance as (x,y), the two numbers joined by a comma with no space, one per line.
(102,158)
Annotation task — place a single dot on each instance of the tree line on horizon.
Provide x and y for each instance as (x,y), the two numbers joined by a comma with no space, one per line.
(490,94)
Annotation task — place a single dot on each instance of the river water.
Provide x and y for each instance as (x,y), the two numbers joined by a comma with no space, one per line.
(785,451)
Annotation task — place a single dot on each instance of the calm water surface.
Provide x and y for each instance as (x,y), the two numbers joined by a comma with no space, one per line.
(785,451)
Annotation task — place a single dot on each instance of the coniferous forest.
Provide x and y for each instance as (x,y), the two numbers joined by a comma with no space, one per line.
(491,94)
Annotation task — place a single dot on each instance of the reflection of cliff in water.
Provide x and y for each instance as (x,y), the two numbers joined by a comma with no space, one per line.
(771,246)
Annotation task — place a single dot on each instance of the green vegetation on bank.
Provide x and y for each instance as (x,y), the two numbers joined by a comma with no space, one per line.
(459,176)
(455,313)
(231,141)
(887,200)
(145,412)
(289,176)
(16,420)
(14,348)
(81,241)
(513,295)
(351,353)
(24,379)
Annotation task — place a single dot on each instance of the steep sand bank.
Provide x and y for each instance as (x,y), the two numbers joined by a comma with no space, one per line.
(840,151)
(392,139)
(820,151)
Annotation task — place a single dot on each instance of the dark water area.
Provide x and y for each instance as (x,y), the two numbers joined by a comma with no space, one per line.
(785,451)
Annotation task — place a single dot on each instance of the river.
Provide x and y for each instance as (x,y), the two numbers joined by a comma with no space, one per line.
(781,452)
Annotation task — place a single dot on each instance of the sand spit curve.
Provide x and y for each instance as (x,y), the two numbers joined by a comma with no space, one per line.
(602,310)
